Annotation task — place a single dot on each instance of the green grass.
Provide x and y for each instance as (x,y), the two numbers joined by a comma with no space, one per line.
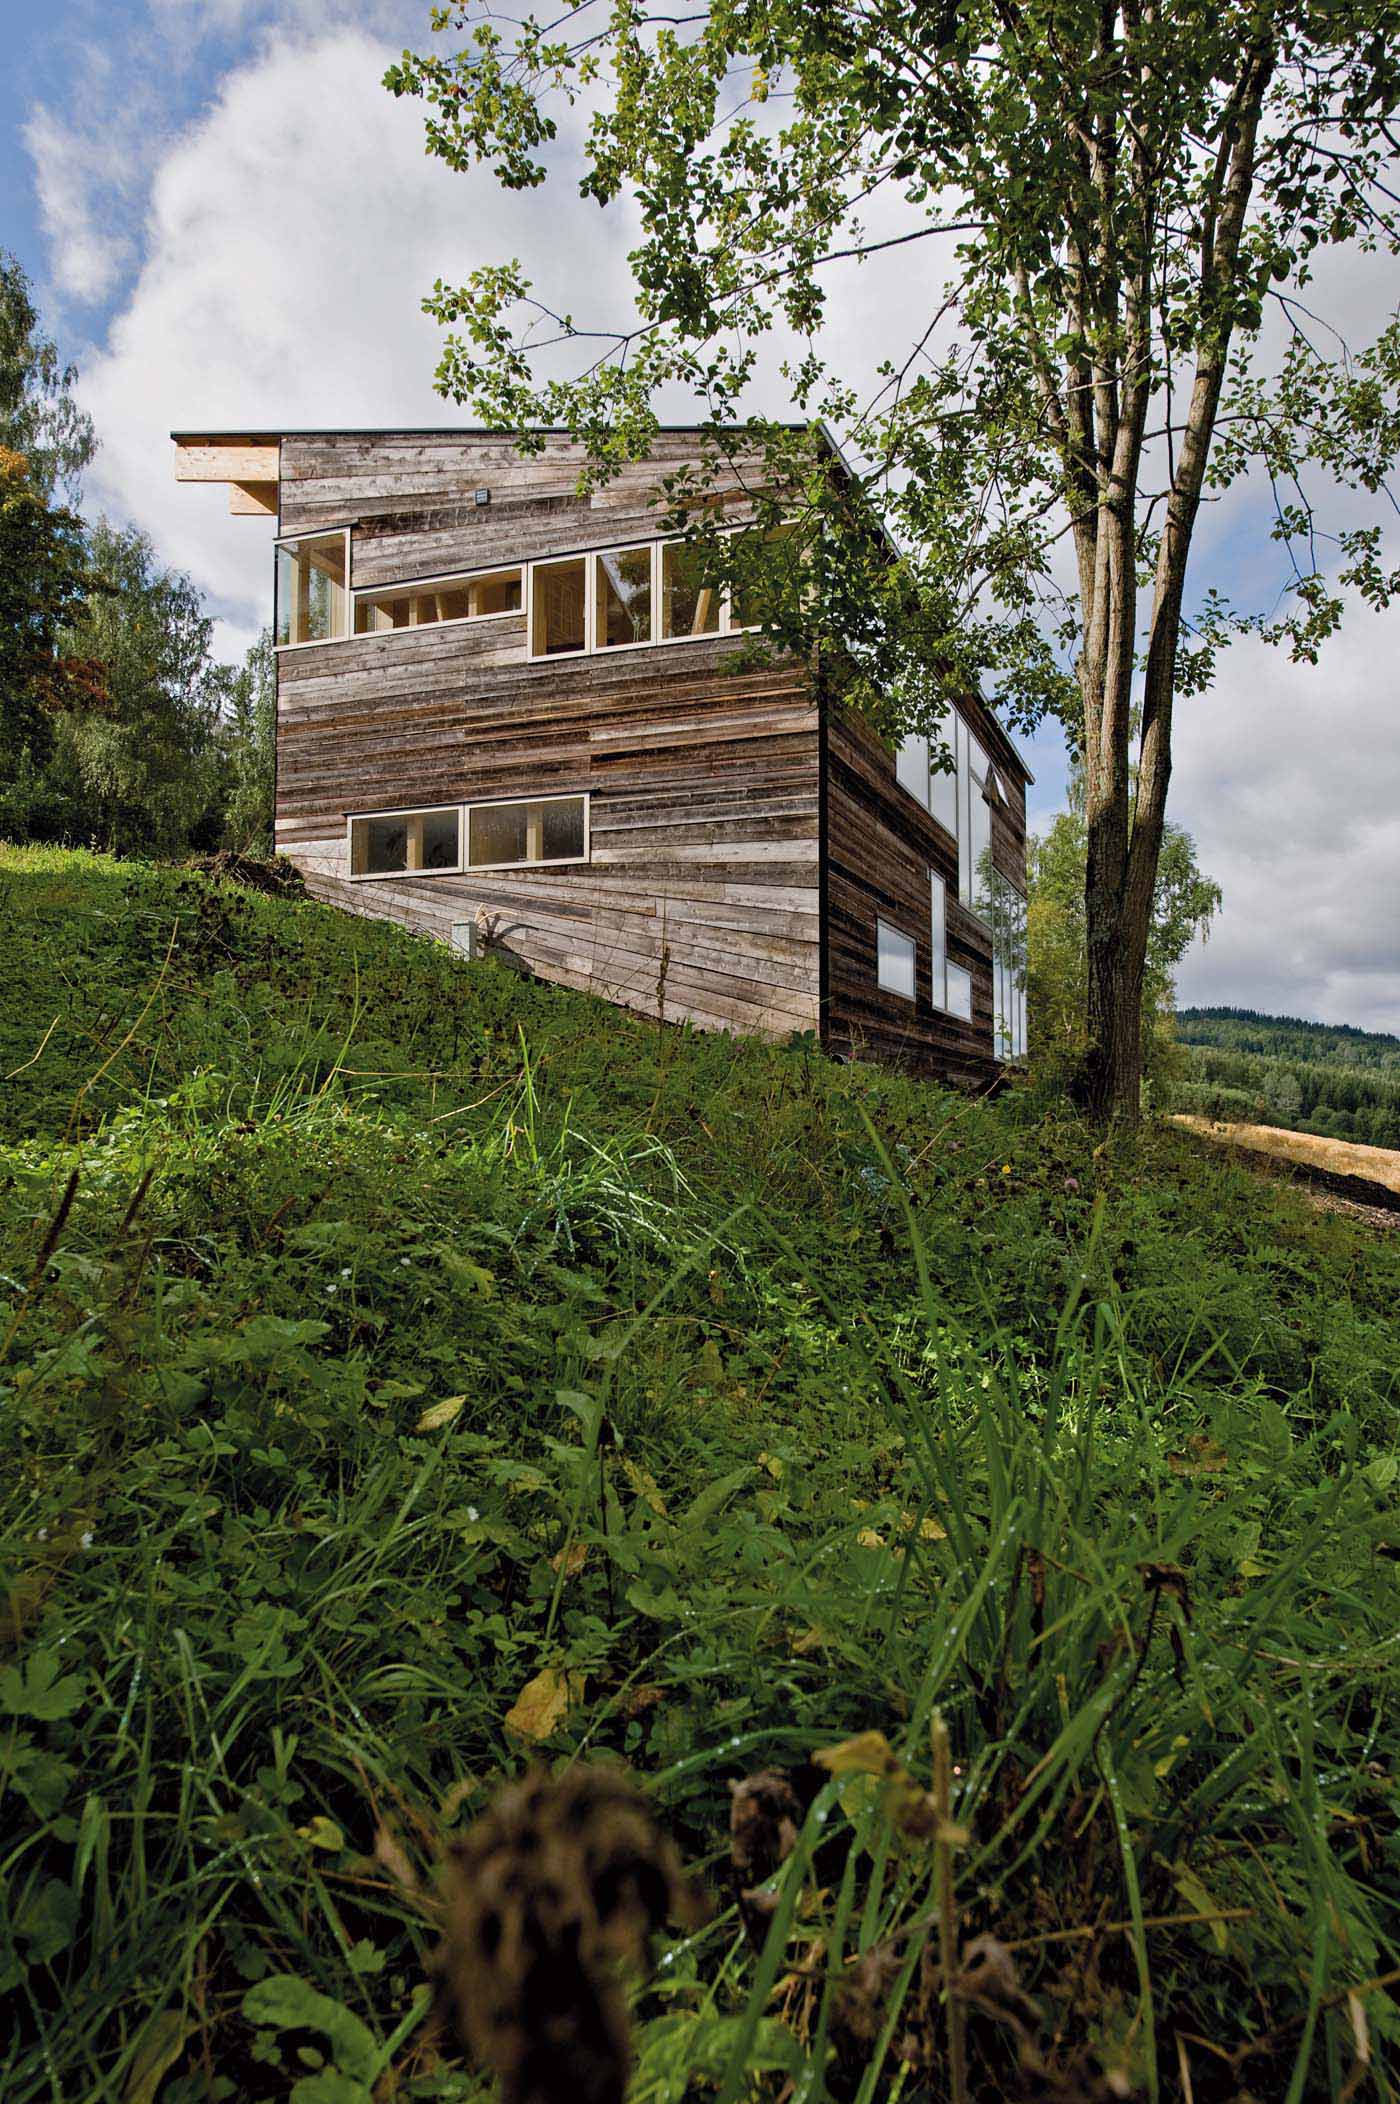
(412,1332)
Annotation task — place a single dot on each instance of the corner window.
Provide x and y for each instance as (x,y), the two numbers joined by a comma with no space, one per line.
(689,605)
(622,585)
(960,798)
(406,843)
(764,591)
(312,597)
(1008,918)
(894,960)
(618,598)
(911,768)
(546,829)
(445,599)
(557,595)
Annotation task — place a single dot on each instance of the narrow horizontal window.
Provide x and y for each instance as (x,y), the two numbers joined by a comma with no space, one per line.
(406,843)
(622,583)
(447,599)
(312,598)
(546,829)
(558,623)
(894,957)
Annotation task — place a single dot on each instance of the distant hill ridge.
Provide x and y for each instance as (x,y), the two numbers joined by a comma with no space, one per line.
(1332,1041)
(1328,1078)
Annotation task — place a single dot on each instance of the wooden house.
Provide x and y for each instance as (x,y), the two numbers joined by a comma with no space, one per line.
(510,713)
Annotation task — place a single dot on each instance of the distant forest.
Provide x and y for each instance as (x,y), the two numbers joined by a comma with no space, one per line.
(1281,1070)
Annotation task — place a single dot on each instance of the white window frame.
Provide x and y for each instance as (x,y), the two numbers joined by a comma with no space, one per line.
(886,927)
(408,587)
(563,796)
(397,876)
(292,540)
(938,926)
(956,1013)
(961,738)
(590,557)
(464,866)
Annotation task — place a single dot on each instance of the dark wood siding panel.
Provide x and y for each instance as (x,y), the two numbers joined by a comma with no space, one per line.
(881,847)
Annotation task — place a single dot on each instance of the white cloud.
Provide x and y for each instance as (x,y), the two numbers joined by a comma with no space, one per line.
(1289,778)
(87,243)
(292,233)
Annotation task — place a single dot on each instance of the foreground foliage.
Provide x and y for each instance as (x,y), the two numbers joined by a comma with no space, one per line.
(406,1370)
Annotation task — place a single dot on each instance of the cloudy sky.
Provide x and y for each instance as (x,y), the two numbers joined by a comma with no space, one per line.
(230,223)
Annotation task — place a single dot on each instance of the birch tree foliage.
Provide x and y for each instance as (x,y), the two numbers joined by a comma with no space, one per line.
(1100,206)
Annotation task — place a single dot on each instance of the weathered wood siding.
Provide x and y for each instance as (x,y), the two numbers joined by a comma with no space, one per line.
(412,496)
(881,845)
(701,895)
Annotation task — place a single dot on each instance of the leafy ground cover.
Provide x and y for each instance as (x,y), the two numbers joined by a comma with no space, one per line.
(407,1372)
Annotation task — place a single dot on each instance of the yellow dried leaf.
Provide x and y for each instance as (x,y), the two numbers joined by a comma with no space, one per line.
(929,1529)
(570,1559)
(868,1753)
(869,1539)
(162,2043)
(774,1465)
(810,1640)
(465,1786)
(543,1703)
(321,1832)
(439,1414)
(1206,1458)
(645,1485)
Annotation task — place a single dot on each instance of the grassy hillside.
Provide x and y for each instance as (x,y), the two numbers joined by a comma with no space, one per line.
(1310,1077)
(407,1370)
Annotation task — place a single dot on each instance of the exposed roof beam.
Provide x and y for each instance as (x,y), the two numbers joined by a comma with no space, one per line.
(240,460)
(253,499)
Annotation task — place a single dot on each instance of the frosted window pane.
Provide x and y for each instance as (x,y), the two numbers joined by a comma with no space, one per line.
(938,925)
(894,960)
(911,767)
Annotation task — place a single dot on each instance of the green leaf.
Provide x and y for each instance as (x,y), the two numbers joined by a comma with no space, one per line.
(38,1690)
(162,2043)
(714,1497)
(285,2002)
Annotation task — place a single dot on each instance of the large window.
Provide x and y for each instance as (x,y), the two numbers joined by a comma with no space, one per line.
(689,605)
(558,620)
(312,601)
(445,599)
(894,960)
(951,986)
(406,843)
(1008,918)
(938,928)
(617,598)
(544,829)
(959,798)
(622,597)
(960,993)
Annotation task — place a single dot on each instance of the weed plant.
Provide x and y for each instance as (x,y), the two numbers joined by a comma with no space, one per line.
(406,1371)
